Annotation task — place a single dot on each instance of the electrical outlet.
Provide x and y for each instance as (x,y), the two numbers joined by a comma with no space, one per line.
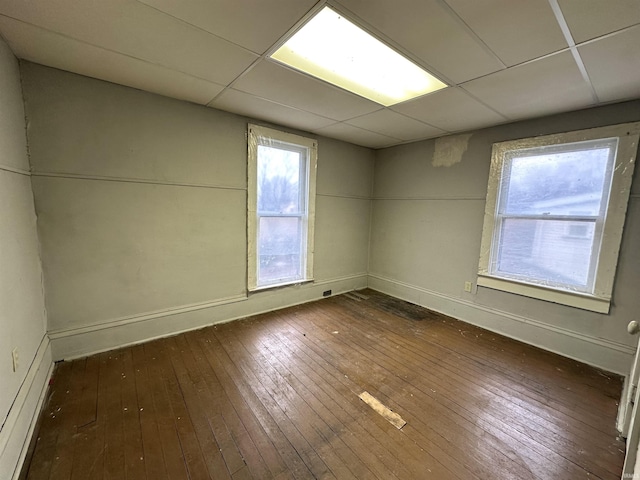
(468,286)
(15,358)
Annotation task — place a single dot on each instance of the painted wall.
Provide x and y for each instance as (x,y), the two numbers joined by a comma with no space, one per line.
(22,313)
(425,243)
(141,215)
(141,204)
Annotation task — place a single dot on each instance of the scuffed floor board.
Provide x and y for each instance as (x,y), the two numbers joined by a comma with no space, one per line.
(389,415)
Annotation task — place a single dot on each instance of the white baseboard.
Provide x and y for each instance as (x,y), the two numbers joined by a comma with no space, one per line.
(120,332)
(607,355)
(22,418)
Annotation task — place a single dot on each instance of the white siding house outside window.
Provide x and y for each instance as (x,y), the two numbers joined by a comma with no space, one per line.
(555,212)
(281,201)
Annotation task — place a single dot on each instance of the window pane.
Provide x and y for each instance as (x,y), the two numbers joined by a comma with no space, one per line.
(279,249)
(568,182)
(546,251)
(279,180)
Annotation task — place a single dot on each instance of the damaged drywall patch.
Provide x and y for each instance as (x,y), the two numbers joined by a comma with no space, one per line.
(449,150)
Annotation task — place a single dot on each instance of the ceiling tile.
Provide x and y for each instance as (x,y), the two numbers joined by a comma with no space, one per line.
(550,85)
(255,107)
(255,24)
(426,29)
(512,28)
(395,125)
(134,29)
(192,50)
(47,48)
(617,53)
(589,19)
(282,85)
(359,136)
(451,109)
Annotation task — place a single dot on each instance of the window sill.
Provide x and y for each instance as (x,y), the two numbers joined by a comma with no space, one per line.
(583,301)
(273,286)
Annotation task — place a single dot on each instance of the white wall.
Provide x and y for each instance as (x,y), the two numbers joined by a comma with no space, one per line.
(425,243)
(22,314)
(141,204)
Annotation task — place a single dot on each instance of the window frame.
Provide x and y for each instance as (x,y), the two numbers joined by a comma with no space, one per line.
(257,136)
(598,298)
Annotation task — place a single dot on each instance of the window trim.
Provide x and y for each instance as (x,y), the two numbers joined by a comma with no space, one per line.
(600,299)
(258,135)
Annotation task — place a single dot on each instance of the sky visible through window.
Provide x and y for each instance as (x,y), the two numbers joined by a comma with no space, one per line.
(552,183)
(278,180)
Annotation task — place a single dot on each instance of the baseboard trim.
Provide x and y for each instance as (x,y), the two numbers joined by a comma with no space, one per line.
(142,317)
(605,354)
(22,418)
(76,342)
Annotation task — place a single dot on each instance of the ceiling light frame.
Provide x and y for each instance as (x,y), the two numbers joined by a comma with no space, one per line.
(331,47)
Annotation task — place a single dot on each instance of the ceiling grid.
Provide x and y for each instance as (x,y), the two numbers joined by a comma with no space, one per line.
(503,60)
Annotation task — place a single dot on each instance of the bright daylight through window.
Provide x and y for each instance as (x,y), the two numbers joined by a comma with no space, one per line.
(281,202)
(555,212)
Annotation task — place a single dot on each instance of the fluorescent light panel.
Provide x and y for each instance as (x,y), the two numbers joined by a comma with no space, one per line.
(335,50)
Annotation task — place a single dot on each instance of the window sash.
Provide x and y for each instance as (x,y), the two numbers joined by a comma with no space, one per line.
(504,185)
(266,280)
(497,247)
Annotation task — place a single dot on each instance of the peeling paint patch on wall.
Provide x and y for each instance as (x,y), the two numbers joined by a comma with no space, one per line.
(449,150)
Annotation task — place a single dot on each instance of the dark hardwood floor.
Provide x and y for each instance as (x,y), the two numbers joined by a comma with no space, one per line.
(276,396)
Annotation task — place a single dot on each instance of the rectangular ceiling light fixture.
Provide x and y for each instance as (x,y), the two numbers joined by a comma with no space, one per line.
(335,50)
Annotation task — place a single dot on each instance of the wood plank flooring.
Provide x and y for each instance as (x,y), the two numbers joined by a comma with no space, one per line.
(276,396)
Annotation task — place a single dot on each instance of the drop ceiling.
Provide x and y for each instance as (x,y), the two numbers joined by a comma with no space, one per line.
(504,60)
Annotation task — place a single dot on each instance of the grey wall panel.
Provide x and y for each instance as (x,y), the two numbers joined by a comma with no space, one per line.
(141,204)
(81,126)
(344,169)
(113,249)
(22,312)
(341,222)
(428,237)
(431,243)
(12,126)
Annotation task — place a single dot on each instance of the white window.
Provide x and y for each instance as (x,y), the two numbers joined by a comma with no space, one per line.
(281,202)
(555,212)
